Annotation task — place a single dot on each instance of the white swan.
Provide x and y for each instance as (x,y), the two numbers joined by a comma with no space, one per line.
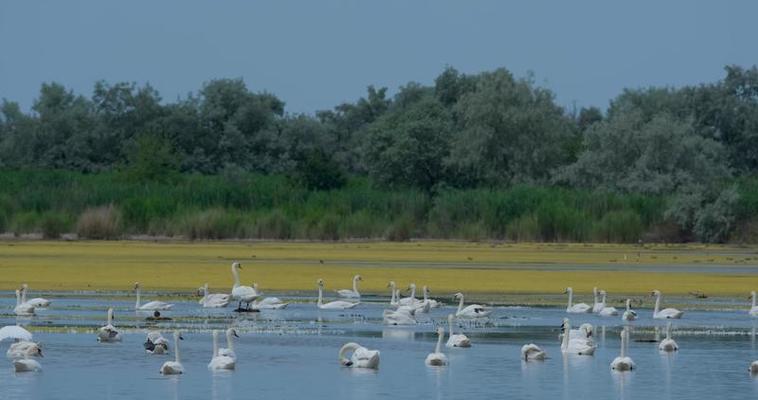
(213,300)
(753,368)
(432,303)
(596,306)
(623,362)
(267,303)
(438,358)
(243,294)
(668,344)
(606,311)
(394,300)
(174,367)
(219,362)
(584,332)
(411,300)
(361,357)
(24,349)
(108,333)
(582,347)
(26,365)
(578,308)
(629,314)
(459,340)
(754,308)
(155,343)
(470,311)
(351,293)
(532,352)
(401,316)
(332,305)
(14,332)
(666,313)
(37,302)
(22,309)
(149,306)
(228,351)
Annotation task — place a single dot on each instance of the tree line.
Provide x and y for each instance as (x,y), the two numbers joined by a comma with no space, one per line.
(693,149)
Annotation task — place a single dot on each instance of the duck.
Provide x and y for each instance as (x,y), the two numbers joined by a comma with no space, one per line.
(532,352)
(174,367)
(351,293)
(213,300)
(579,308)
(666,313)
(668,344)
(241,293)
(332,305)
(218,361)
(459,340)
(623,362)
(108,333)
(606,311)
(149,306)
(629,314)
(360,357)
(438,358)
(155,343)
(472,310)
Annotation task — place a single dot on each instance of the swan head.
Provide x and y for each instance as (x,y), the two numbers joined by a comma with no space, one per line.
(255,286)
(440,331)
(320,282)
(357,278)
(391,284)
(136,285)
(233,332)
(587,329)
(594,290)
(752,294)
(602,292)
(178,336)
(568,290)
(24,286)
(39,351)
(458,295)
(564,323)
(412,286)
(655,292)
(236,265)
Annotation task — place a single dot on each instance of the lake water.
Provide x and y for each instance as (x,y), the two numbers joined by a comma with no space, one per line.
(292,354)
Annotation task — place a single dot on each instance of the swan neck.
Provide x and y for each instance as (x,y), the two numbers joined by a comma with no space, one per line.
(753,299)
(236,275)
(413,292)
(177,358)
(355,284)
(623,343)
(571,298)
(450,325)
(628,306)
(215,344)
(439,342)
(347,347)
(426,296)
(320,295)
(566,334)
(229,340)
(136,305)
(460,304)
(657,304)
(110,316)
(23,295)
(18,298)
(602,301)
(393,298)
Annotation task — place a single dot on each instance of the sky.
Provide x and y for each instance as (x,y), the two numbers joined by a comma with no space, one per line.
(316,54)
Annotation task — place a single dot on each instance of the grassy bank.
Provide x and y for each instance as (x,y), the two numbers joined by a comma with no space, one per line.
(447,267)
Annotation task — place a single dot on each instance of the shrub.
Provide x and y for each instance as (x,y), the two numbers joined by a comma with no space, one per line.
(99,223)
(400,231)
(210,224)
(274,225)
(53,225)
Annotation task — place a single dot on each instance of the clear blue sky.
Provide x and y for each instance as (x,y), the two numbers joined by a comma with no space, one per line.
(316,54)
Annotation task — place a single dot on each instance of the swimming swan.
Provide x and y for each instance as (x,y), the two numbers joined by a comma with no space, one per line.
(580,346)
(155,343)
(606,311)
(459,340)
(578,308)
(351,294)
(361,357)
(150,306)
(753,368)
(37,302)
(623,362)
(108,333)
(754,309)
(668,344)
(14,332)
(174,367)
(24,349)
(432,303)
(213,300)
(219,362)
(532,352)
(243,294)
(666,313)
(438,358)
(470,311)
(332,305)
(401,316)
(22,309)
(229,350)
(596,306)
(629,314)
(26,365)
(411,300)
(267,303)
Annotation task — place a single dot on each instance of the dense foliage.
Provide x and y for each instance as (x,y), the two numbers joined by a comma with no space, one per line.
(471,156)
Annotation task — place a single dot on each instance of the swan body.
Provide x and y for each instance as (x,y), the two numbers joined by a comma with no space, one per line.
(361,357)
(596,306)
(754,308)
(580,346)
(174,367)
(149,306)
(438,358)
(668,344)
(26,365)
(623,362)
(398,317)
(15,332)
(351,293)
(24,349)
(629,314)
(332,305)
(108,333)
(578,308)
(584,332)
(532,352)
(213,300)
(666,313)
(220,362)
(243,294)
(411,300)
(228,351)
(395,303)
(470,311)
(459,340)
(606,311)
(432,303)
(268,303)
(155,343)
(22,309)
(37,302)
(753,368)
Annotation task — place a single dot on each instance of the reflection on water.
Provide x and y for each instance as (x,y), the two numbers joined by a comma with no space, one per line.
(293,354)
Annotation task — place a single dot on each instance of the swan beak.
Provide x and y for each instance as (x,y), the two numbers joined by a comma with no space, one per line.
(235,334)
(181,337)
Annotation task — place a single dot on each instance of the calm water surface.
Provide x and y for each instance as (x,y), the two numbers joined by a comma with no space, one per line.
(292,354)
